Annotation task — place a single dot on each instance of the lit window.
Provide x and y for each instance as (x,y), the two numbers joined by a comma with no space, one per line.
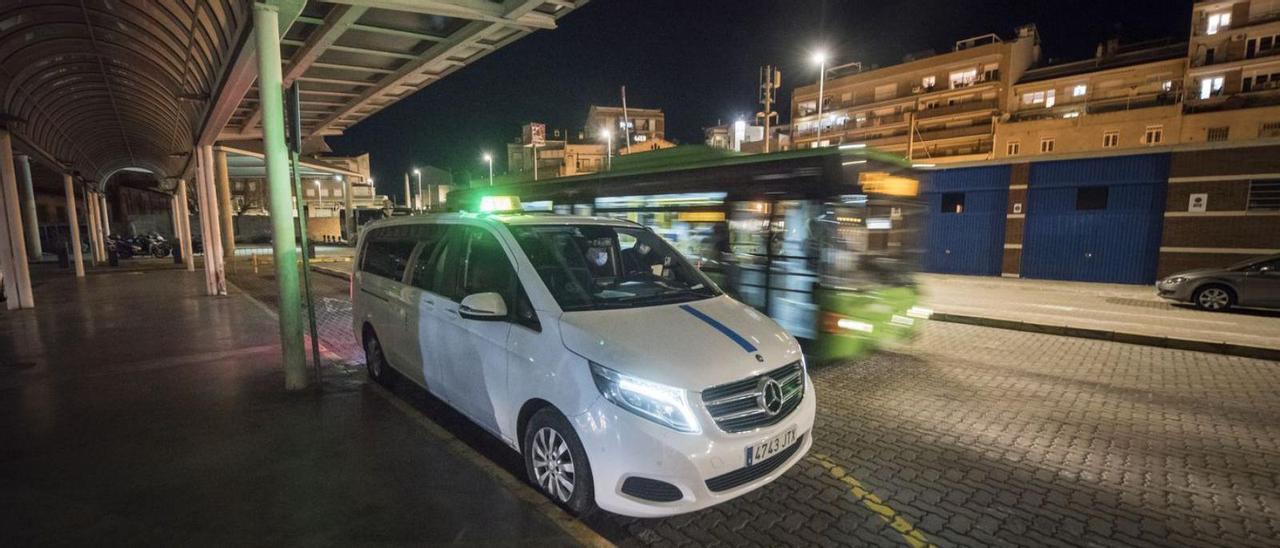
(1154,135)
(1080,90)
(963,78)
(1111,139)
(928,82)
(1212,86)
(1046,145)
(1014,148)
(1217,22)
(1167,85)
(1049,100)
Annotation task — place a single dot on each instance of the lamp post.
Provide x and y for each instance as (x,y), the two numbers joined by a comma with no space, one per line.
(488,158)
(608,143)
(418,173)
(820,57)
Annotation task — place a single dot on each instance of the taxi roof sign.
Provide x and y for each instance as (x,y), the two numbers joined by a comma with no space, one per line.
(499,204)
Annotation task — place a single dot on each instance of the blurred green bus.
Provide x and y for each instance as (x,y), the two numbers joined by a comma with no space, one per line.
(825,241)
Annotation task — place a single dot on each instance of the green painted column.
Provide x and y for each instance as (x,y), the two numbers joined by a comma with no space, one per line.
(271,96)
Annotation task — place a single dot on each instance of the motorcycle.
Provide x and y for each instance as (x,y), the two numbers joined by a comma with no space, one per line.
(154,244)
(124,248)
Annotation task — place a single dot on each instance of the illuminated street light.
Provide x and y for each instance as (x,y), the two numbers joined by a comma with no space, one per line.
(488,158)
(608,140)
(820,57)
(418,173)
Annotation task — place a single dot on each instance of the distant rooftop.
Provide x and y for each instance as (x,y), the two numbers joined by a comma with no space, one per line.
(1111,56)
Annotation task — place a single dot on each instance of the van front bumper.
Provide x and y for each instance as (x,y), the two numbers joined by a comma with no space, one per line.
(621,445)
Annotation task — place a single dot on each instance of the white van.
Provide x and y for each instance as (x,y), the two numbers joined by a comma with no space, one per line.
(624,377)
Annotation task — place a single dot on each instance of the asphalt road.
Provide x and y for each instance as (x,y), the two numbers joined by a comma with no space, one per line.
(973,436)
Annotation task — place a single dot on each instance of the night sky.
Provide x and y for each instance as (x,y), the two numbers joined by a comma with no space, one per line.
(698,61)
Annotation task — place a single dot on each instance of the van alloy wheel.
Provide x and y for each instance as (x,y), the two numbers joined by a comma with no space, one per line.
(553,464)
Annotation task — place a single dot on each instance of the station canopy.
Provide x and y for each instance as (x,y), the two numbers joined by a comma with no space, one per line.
(101,86)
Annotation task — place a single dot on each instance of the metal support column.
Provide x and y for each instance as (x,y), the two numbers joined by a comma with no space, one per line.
(215,223)
(408,196)
(275,153)
(184,222)
(73,223)
(30,219)
(14,253)
(346,206)
(224,204)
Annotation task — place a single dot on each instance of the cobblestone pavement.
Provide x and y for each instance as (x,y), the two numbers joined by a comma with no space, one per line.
(974,436)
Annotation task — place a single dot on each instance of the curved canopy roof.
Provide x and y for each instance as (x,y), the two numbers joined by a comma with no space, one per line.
(101,85)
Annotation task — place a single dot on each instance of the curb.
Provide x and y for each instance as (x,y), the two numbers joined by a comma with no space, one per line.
(340,274)
(1244,351)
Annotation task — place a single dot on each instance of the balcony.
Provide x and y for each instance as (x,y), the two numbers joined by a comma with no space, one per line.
(1101,106)
(952,133)
(968,106)
(1266,97)
(1202,27)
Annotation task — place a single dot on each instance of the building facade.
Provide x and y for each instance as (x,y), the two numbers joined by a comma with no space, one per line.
(932,108)
(1142,161)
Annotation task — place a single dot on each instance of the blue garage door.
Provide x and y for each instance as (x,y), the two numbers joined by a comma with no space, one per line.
(964,224)
(1097,220)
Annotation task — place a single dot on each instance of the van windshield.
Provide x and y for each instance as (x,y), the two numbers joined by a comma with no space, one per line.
(595,267)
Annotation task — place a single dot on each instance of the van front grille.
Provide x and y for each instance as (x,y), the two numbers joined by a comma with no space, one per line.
(736,406)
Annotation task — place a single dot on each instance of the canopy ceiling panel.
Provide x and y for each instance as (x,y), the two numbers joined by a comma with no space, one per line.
(104,85)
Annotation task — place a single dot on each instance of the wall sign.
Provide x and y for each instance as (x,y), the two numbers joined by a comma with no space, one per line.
(1198,203)
(1017,207)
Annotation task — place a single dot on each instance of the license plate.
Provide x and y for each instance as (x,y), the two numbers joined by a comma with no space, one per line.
(770,447)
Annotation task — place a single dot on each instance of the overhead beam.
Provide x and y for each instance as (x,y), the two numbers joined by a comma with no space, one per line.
(460,39)
(238,76)
(340,18)
(473,10)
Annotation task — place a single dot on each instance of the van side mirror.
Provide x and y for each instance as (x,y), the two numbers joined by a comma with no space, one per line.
(483,307)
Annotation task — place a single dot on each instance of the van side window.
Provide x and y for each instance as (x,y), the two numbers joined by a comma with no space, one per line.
(386,254)
(487,268)
(432,238)
(444,266)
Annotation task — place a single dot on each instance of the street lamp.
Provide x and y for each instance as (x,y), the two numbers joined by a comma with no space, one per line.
(418,173)
(489,159)
(820,57)
(608,140)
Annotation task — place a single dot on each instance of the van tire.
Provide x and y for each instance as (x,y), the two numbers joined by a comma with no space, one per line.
(375,360)
(549,431)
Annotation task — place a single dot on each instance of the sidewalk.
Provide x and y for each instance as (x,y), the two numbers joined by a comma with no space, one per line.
(1117,312)
(135,410)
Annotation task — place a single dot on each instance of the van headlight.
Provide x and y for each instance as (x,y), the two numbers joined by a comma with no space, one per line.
(659,403)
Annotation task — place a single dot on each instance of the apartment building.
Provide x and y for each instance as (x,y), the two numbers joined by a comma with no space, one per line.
(1125,97)
(1233,73)
(562,155)
(933,108)
(646,124)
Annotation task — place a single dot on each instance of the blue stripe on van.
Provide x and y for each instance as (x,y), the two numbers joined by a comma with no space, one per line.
(744,343)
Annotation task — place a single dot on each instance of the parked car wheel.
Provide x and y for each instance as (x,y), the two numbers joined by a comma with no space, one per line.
(375,360)
(557,463)
(1214,297)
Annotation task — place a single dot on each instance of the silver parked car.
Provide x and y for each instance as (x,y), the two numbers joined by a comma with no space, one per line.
(1252,283)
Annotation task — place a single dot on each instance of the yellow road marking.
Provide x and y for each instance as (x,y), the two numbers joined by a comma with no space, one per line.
(912,536)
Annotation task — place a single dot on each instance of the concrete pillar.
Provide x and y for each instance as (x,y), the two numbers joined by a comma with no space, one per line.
(266,19)
(106,219)
(184,222)
(90,231)
(408,196)
(215,223)
(14,252)
(30,219)
(224,205)
(73,223)
(206,239)
(95,227)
